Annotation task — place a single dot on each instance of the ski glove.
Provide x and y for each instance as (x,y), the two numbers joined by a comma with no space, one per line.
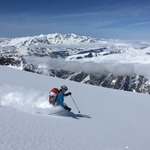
(67,108)
(67,94)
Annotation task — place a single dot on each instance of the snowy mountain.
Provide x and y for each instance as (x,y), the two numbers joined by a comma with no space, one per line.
(110,63)
(109,119)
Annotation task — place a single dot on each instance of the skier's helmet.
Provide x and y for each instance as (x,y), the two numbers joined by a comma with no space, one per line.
(64,87)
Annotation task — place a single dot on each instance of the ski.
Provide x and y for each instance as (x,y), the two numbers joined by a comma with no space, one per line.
(53,113)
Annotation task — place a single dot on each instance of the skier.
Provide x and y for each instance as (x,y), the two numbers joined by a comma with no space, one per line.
(60,97)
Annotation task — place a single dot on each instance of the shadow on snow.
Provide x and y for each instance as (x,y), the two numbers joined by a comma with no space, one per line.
(75,116)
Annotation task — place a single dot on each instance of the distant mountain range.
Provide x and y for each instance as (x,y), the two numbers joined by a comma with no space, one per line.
(40,54)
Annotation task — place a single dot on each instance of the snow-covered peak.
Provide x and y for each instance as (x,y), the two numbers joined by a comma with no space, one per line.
(71,47)
(55,38)
(71,39)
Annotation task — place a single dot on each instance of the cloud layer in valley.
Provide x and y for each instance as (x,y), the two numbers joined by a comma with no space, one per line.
(91,67)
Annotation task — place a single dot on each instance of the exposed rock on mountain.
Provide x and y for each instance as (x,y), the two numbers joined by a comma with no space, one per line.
(71,47)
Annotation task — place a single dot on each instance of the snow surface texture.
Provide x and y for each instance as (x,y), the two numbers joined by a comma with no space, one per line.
(109,119)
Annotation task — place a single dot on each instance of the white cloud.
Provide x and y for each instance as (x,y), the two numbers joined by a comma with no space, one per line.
(140,23)
(123,68)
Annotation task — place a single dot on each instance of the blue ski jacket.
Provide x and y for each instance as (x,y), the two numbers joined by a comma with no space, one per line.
(60,99)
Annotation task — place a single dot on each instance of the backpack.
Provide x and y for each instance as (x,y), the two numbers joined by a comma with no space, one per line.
(52,95)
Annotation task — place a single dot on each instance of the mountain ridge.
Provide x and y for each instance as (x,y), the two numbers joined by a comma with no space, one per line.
(73,48)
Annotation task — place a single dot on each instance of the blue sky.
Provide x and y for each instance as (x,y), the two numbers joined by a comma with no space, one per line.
(96,18)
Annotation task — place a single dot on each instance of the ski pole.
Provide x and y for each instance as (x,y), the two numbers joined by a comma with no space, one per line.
(75,104)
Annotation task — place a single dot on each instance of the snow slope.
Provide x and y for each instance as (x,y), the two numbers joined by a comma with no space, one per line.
(109,119)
